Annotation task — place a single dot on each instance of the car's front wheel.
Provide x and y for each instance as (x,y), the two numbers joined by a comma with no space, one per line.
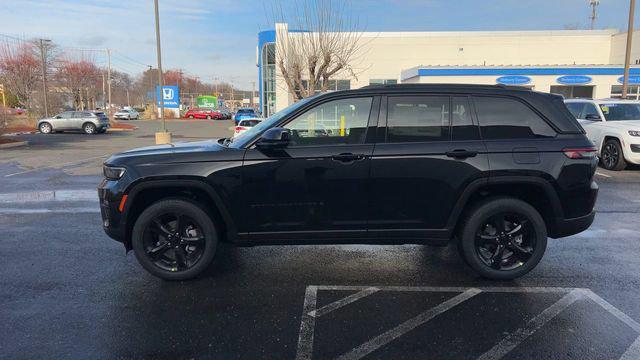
(612,156)
(503,238)
(174,239)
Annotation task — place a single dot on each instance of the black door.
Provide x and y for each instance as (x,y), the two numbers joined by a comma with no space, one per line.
(317,186)
(428,151)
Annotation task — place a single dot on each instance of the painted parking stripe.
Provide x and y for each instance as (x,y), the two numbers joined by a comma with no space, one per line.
(74,210)
(633,352)
(514,339)
(343,302)
(601,174)
(387,337)
(47,196)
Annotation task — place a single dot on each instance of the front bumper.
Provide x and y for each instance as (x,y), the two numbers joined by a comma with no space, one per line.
(113,223)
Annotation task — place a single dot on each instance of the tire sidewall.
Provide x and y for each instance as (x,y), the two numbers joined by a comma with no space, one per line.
(84,128)
(621,163)
(190,209)
(45,124)
(480,214)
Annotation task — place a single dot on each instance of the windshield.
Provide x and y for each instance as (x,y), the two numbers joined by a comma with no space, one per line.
(620,111)
(269,122)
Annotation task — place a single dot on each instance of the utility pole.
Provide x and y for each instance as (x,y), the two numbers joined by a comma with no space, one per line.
(109,82)
(128,102)
(104,93)
(163,137)
(153,96)
(44,75)
(594,4)
(627,55)
(4,104)
(253,91)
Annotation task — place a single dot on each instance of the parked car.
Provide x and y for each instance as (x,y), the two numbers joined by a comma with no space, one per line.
(226,113)
(203,113)
(244,113)
(90,122)
(614,127)
(127,114)
(245,125)
(497,169)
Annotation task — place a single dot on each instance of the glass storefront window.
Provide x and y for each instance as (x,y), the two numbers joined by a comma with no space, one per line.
(633,92)
(383,81)
(573,91)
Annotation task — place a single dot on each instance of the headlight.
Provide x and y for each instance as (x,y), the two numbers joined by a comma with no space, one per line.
(112,172)
(634,132)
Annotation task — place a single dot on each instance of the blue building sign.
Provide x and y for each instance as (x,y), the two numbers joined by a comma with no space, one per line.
(573,79)
(170,95)
(513,80)
(633,79)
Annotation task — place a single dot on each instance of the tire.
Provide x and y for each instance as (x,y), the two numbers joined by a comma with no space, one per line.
(89,128)
(479,239)
(45,128)
(612,156)
(208,117)
(168,266)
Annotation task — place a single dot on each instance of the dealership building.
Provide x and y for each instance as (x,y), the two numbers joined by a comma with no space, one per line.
(573,63)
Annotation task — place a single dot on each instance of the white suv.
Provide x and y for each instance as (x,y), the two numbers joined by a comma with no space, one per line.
(614,126)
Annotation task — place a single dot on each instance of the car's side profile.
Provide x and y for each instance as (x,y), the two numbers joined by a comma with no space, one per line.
(244,113)
(201,113)
(90,122)
(127,114)
(495,169)
(614,127)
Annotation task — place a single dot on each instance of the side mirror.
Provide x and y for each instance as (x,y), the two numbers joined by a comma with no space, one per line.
(592,117)
(58,117)
(275,138)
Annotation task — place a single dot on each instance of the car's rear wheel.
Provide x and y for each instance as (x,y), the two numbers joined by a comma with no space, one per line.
(45,128)
(612,156)
(174,239)
(89,128)
(503,238)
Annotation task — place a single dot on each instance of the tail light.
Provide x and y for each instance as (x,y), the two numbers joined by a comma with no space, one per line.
(240,128)
(580,153)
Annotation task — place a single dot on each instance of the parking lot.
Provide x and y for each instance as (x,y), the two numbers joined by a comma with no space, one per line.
(69,291)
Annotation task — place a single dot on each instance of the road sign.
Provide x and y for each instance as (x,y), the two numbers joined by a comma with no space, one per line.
(170,95)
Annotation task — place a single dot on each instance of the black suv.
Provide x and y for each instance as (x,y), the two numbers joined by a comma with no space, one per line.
(496,169)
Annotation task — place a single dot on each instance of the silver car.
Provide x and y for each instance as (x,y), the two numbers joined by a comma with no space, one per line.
(127,114)
(90,122)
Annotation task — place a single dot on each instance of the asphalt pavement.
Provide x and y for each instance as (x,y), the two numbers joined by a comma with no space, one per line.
(69,291)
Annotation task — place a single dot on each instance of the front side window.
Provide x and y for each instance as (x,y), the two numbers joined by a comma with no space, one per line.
(417,118)
(335,122)
(505,118)
(589,112)
(66,115)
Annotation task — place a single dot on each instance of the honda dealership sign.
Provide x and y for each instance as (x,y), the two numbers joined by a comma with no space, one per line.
(170,96)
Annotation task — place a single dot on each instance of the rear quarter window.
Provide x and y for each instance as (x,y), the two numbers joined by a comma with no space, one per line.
(507,118)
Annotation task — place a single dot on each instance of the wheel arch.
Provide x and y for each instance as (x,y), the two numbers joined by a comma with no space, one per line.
(146,192)
(538,192)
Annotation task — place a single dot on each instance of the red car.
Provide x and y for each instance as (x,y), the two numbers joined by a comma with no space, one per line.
(198,113)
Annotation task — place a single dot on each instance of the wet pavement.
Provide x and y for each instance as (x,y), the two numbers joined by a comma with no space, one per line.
(68,291)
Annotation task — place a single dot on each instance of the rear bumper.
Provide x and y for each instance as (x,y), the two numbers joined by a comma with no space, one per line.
(568,227)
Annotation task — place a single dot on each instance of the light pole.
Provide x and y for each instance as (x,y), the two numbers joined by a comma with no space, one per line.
(627,55)
(162,137)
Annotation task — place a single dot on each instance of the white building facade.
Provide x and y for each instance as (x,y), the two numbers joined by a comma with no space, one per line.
(573,63)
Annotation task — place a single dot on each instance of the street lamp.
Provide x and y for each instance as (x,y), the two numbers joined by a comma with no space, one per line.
(162,137)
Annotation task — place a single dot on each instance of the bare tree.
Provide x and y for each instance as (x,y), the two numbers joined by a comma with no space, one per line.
(79,80)
(325,44)
(20,70)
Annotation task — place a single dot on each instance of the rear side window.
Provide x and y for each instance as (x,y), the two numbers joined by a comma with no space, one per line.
(418,118)
(504,118)
(575,109)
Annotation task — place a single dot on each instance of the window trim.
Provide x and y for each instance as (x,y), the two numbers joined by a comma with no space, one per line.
(515,98)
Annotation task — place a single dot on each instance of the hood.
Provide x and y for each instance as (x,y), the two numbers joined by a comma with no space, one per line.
(168,149)
(623,125)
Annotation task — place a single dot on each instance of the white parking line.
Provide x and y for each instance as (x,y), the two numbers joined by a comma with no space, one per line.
(601,174)
(77,210)
(46,196)
(387,337)
(514,339)
(506,345)
(633,352)
(75,162)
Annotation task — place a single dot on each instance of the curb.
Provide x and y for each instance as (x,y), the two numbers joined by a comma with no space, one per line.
(118,129)
(14,144)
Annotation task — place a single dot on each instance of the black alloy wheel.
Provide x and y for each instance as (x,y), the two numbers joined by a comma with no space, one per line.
(505,241)
(174,242)
(175,239)
(612,158)
(502,238)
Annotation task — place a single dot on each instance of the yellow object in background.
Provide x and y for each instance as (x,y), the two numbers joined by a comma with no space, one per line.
(341,125)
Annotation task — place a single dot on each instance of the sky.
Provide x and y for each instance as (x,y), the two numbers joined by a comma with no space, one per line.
(216,39)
